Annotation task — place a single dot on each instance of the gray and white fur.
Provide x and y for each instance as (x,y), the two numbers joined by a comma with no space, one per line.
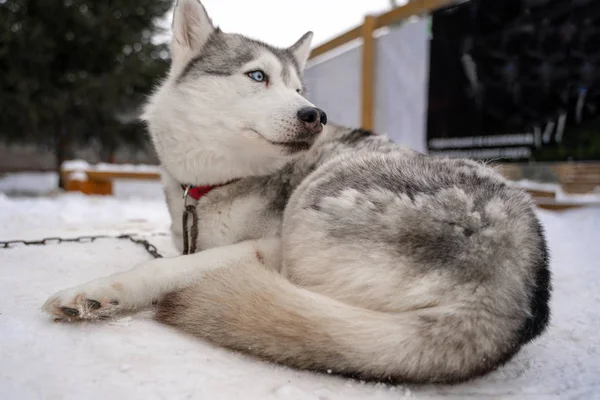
(335,248)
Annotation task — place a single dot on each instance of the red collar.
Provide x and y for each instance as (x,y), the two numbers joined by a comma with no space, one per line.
(196,192)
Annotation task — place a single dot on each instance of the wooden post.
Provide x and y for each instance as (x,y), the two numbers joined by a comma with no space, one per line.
(368,72)
(337,42)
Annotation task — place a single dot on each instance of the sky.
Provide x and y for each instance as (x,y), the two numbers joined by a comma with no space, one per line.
(282,22)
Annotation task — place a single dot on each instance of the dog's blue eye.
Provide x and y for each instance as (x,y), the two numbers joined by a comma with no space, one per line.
(258,76)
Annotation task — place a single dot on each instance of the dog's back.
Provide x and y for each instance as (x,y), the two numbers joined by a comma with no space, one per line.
(395,266)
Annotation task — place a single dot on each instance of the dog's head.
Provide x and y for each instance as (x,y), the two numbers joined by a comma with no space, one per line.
(230,106)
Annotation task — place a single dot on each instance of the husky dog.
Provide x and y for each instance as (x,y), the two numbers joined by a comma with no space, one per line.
(323,247)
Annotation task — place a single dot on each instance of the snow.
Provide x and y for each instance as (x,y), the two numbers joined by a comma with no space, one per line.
(75,165)
(78,176)
(45,183)
(133,357)
(29,183)
(126,168)
(81,165)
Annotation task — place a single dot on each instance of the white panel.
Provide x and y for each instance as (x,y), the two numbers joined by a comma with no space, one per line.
(401,84)
(333,84)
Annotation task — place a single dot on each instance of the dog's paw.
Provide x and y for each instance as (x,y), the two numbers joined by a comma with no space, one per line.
(83,303)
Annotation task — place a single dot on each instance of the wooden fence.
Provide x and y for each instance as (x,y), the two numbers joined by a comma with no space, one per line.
(365,32)
(573,177)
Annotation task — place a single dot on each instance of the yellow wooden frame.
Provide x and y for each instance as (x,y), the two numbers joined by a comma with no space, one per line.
(365,31)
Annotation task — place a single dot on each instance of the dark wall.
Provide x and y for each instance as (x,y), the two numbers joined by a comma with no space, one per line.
(516,80)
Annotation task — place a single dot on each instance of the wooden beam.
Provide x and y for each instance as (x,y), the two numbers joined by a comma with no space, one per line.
(537,193)
(103,176)
(336,42)
(390,17)
(554,205)
(368,72)
(89,187)
(368,49)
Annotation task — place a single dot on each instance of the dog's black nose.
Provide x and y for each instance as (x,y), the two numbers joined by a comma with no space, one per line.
(323,116)
(310,115)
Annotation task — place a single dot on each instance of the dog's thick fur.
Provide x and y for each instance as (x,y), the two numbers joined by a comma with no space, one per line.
(357,256)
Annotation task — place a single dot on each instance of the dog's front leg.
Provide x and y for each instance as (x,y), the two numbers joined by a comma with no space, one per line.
(140,286)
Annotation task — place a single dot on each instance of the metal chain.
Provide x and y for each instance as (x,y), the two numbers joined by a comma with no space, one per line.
(150,248)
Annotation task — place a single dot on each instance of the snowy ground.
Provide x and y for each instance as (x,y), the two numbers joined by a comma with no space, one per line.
(135,358)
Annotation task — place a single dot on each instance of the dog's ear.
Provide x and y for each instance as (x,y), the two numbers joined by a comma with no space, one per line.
(301,49)
(191,28)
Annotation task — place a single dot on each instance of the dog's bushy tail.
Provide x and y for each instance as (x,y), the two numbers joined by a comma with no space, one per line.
(256,311)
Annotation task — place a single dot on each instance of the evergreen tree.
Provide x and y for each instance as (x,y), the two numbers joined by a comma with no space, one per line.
(73,70)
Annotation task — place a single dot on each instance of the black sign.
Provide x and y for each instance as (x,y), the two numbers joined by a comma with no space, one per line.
(516,80)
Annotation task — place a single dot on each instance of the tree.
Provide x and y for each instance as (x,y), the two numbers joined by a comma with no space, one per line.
(73,70)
